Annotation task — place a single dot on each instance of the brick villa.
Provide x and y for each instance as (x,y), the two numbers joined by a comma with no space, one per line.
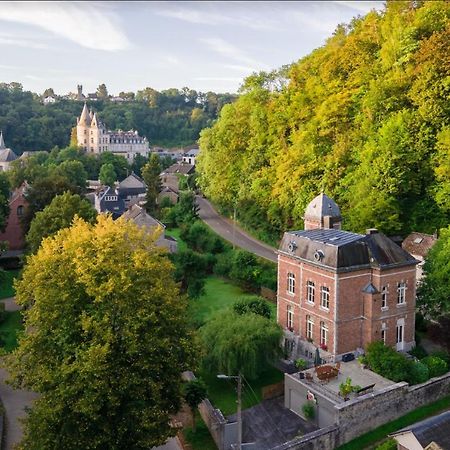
(339,290)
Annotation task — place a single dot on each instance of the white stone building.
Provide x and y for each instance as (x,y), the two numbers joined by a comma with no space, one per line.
(93,137)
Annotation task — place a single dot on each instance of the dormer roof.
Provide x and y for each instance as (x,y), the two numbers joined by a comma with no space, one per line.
(322,206)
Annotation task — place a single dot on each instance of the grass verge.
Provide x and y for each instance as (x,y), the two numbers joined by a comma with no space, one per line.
(9,328)
(201,439)
(380,433)
(6,283)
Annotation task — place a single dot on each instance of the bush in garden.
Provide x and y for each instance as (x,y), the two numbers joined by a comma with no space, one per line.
(419,352)
(419,373)
(252,305)
(436,366)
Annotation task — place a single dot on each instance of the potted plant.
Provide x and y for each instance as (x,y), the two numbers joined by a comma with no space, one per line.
(309,411)
(346,388)
(301,364)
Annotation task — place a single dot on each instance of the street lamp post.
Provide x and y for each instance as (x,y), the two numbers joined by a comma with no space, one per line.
(239,404)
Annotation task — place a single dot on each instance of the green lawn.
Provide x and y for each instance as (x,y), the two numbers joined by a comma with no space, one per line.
(223,394)
(219,294)
(9,328)
(382,432)
(6,283)
(201,439)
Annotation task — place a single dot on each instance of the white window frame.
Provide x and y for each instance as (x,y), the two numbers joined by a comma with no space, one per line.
(289,317)
(384,298)
(291,283)
(383,332)
(400,335)
(310,291)
(401,293)
(325,297)
(309,327)
(323,334)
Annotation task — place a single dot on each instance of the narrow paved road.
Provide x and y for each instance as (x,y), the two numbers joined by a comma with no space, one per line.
(13,400)
(224,227)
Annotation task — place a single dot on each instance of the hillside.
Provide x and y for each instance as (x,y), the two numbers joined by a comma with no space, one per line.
(170,118)
(365,118)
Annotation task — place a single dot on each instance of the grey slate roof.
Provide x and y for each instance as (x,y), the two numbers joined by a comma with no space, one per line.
(7,155)
(370,289)
(116,207)
(343,250)
(322,206)
(184,169)
(435,429)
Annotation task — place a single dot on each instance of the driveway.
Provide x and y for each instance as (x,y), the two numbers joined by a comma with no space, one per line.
(224,228)
(270,424)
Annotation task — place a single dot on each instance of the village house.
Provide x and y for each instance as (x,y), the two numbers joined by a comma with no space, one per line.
(170,177)
(190,156)
(418,245)
(144,220)
(117,199)
(339,291)
(14,232)
(7,156)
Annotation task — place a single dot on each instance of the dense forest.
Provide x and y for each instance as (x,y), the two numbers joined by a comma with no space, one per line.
(170,118)
(364,118)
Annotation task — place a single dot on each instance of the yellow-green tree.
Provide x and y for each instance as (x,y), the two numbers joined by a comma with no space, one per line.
(106,339)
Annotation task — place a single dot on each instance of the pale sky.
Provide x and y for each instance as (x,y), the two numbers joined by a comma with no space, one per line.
(206,45)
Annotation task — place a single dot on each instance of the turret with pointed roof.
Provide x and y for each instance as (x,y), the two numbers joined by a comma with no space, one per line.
(2,142)
(85,119)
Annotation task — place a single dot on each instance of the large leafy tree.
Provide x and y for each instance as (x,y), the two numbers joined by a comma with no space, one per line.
(41,193)
(106,339)
(240,343)
(433,298)
(57,215)
(107,175)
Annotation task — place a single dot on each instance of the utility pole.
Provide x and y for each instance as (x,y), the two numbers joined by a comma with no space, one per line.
(234,225)
(239,405)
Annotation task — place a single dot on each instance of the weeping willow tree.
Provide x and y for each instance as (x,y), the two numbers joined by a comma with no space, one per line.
(240,343)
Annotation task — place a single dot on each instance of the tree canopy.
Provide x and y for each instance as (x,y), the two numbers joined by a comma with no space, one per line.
(106,339)
(57,215)
(364,118)
(240,343)
(432,295)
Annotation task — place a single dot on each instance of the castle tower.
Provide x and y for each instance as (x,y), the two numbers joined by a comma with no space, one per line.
(322,212)
(96,138)
(83,129)
(2,142)
(80,95)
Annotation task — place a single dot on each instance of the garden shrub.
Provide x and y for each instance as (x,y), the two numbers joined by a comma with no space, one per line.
(245,268)
(223,264)
(387,362)
(301,364)
(257,306)
(2,312)
(309,410)
(443,355)
(419,373)
(436,366)
(418,351)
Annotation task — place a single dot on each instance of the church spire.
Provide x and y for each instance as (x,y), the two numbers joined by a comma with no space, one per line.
(2,142)
(84,118)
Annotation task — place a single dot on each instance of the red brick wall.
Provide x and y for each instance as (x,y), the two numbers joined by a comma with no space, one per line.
(13,233)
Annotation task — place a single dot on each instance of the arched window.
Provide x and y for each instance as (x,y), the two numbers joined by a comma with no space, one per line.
(20,210)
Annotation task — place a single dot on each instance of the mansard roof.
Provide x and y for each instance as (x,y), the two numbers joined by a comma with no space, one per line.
(343,250)
(322,206)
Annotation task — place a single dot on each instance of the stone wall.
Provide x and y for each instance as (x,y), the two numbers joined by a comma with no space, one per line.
(387,405)
(325,438)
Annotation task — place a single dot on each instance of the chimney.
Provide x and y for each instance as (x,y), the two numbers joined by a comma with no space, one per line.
(371,231)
